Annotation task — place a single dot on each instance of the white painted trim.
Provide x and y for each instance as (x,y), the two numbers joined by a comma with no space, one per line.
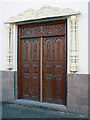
(15,40)
(68,44)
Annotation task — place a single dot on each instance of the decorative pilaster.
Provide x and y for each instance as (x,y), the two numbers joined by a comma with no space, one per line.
(74,45)
(10,47)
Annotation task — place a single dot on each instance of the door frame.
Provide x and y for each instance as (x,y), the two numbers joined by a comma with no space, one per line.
(67,60)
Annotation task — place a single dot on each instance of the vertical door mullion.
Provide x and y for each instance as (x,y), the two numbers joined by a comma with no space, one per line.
(41,70)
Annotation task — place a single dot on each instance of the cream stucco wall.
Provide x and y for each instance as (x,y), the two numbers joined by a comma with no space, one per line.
(9,9)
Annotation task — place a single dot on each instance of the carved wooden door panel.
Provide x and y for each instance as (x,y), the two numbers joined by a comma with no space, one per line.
(30,52)
(60,69)
(54,69)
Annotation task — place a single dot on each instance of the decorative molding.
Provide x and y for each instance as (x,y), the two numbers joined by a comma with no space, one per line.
(74,45)
(46,12)
(43,12)
(10,47)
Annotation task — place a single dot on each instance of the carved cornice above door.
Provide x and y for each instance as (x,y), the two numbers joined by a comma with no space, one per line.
(43,12)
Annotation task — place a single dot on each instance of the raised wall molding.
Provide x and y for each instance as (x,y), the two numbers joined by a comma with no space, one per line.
(10,47)
(74,45)
(43,12)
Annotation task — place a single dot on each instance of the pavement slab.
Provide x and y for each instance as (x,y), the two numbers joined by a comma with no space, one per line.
(10,110)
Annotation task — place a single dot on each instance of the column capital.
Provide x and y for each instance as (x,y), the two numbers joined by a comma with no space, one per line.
(74,18)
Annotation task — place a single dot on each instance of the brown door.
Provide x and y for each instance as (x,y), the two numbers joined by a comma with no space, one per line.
(54,69)
(53,65)
(29,74)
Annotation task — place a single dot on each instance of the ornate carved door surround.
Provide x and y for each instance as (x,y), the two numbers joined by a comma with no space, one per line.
(34,16)
(55,14)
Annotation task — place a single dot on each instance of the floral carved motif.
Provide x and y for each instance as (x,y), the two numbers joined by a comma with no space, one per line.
(47,30)
(44,12)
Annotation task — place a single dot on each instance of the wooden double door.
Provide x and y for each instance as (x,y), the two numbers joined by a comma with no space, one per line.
(42,62)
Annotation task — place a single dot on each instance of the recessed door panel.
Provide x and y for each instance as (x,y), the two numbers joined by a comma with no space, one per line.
(54,73)
(30,68)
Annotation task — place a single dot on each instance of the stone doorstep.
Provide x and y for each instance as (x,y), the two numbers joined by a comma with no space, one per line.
(41,104)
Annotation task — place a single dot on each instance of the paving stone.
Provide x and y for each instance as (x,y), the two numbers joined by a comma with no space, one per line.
(21,111)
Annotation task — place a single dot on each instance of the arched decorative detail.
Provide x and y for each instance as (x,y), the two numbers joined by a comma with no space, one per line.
(35,49)
(48,48)
(57,47)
